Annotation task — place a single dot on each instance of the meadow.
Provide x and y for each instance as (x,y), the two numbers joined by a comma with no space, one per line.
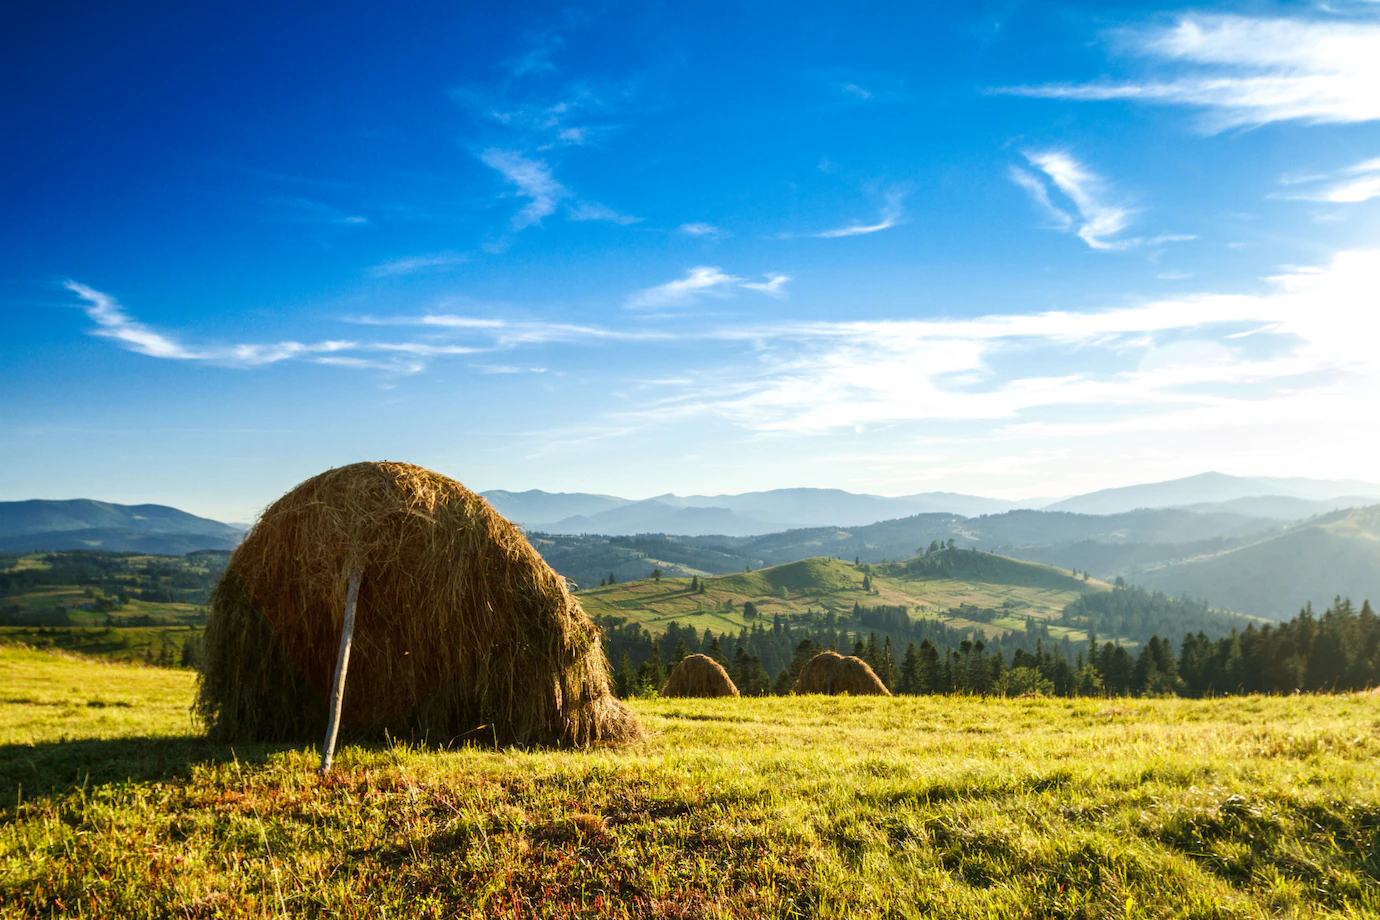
(113,805)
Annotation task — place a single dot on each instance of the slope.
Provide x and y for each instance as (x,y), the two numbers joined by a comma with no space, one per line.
(1006,591)
(1335,554)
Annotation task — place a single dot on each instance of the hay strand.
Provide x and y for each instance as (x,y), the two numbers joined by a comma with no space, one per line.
(831,673)
(699,675)
(462,628)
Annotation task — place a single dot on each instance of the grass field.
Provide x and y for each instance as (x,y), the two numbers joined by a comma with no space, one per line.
(822,584)
(112,806)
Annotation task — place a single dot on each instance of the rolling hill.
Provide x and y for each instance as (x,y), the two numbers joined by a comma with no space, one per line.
(1335,554)
(43,525)
(935,587)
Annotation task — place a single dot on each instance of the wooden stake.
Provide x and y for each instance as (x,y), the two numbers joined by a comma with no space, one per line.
(342,663)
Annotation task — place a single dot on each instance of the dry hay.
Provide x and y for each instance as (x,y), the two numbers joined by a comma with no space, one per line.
(462,631)
(831,673)
(699,675)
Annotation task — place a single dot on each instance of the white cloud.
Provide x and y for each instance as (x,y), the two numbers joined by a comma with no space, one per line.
(701,281)
(114,323)
(533,180)
(1100,219)
(855,90)
(698,281)
(774,286)
(700,229)
(1302,350)
(1247,71)
(1038,193)
(414,264)
(890,217)
(1352,185)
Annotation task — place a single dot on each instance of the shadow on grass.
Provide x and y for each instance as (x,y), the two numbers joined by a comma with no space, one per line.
(53,768)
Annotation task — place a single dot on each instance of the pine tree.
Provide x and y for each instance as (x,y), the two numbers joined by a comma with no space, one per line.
(625,678)
(652,675)
(694,584)
(910,671)
(612,580)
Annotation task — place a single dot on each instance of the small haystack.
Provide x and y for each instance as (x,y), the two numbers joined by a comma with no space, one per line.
(831,673)
(462,630)
(699,675)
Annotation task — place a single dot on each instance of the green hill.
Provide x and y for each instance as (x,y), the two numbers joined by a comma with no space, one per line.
(942,585)
(1335,554)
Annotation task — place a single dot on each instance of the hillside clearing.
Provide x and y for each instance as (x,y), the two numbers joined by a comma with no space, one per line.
(831,585)
(908,807)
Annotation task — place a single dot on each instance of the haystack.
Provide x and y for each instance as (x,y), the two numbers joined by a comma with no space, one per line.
(462,631)
(831,673)
(699,675)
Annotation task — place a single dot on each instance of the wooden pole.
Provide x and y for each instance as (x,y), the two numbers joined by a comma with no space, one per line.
(342,663)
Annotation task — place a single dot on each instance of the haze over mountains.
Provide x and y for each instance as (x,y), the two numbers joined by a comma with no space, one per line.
(754,513)
(82,523)
(1215,537)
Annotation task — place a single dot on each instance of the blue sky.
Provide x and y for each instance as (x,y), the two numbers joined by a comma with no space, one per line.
(1016,249)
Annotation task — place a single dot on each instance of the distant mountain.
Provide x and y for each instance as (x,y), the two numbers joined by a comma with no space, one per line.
(81,523)
(1281,507)
(1336,554)
(534,507)
(735,515)
(45,516)
(116,540)
(654,516)
(1105,545)
(1210,487)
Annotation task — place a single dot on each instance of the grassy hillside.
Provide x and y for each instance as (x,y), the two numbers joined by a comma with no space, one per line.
(111,805)
(1336,554)
(929,586)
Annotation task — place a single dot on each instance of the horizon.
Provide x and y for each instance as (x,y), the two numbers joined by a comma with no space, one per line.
(1032,503)
(998,251)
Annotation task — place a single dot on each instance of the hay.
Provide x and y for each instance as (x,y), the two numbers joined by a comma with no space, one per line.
(463,631)
(699,675)
(831,673)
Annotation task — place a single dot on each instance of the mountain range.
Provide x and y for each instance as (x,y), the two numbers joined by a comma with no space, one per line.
(756,513)
(1228,540)
(82,523)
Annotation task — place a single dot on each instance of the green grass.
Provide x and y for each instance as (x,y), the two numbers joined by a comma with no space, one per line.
(128,643)
(823,584)
(777,807)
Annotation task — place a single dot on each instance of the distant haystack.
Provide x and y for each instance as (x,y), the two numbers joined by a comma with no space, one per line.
(831,673)
(462,630)
(699,675)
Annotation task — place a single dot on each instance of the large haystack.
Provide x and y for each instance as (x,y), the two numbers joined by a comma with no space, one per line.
(699,675)
(831,673)
(462,630)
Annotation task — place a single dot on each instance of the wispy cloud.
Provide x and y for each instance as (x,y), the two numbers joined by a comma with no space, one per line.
(700,229)
(698,282)
(1352,185)
(436,261)
(855,91)
(113,322)
(774,286)
(1303,346)
(533,180)
(1093,212)
(703,281)
(891,216)
(1099,218)
(1246,71)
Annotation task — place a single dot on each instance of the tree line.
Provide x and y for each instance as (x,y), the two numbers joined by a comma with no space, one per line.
(1338,650)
